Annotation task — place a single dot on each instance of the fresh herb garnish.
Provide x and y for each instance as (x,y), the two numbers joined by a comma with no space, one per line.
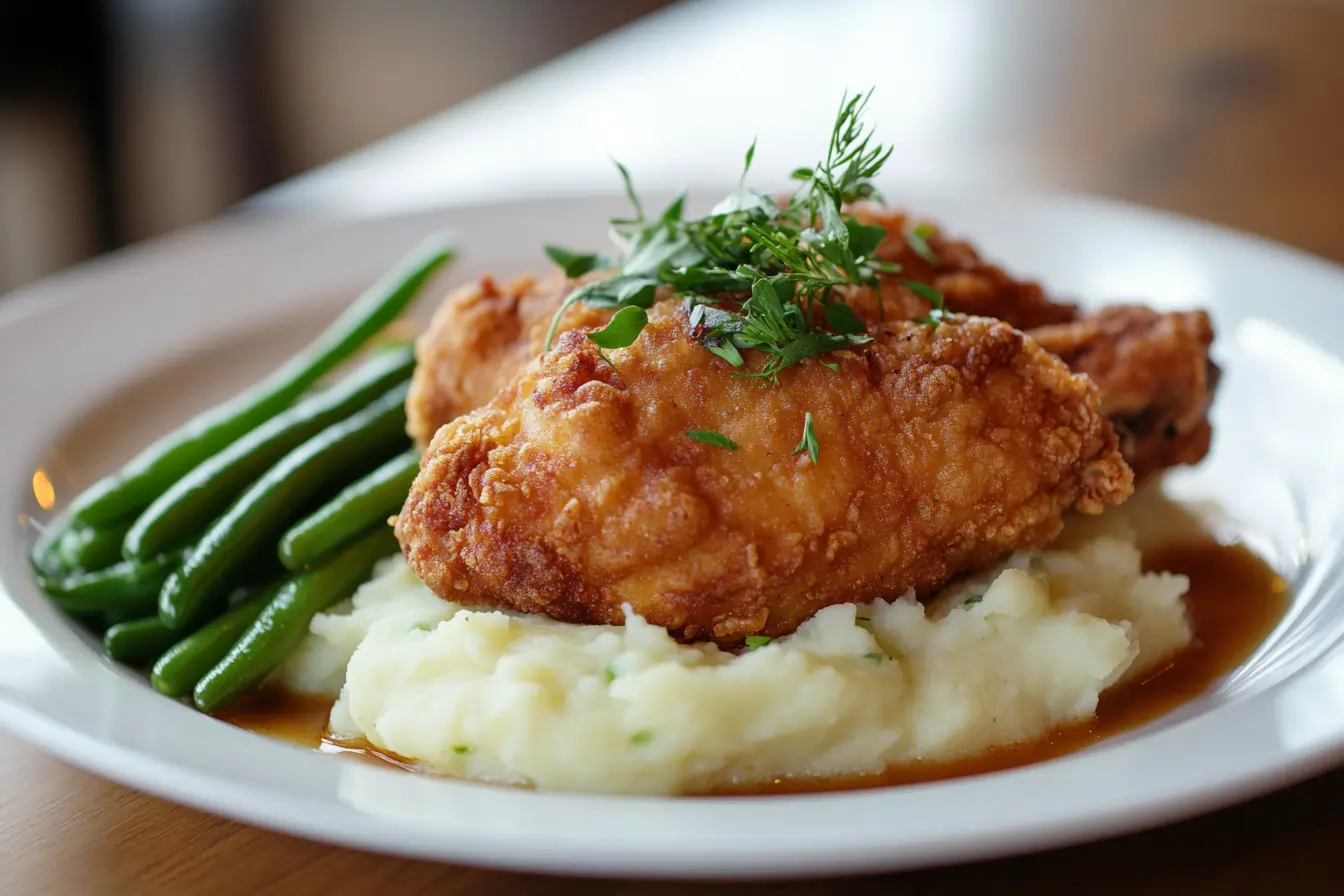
(647,250)
(623,329)
(759,275)
(937,313)
(630,191)
(917,238)
(842,319)
(576,264)
(973,600)
(609,673)
(755,641)
(461,749)
(640,738)
(809,442)
(746,162)
(710,437)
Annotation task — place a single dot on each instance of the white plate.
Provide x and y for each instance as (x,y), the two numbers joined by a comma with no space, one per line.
(94,363)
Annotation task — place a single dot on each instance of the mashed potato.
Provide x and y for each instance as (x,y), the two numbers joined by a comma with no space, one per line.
(480,694)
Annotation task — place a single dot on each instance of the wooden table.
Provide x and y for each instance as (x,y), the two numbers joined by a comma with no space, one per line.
(1220,109)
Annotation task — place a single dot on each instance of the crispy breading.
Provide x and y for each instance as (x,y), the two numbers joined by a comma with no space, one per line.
(1156,379)
(576,491)
(479,338)
(484,332)
(969,284)
(1153,369)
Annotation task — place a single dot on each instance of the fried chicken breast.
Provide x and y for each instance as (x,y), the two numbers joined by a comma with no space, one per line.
(484,332)
(576,490)
(1156,379)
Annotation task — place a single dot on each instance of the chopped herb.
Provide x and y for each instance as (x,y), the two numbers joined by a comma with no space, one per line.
(428,625)
(755,641)
(937,314)
(640,738)
(672,214)
(774,323)
(461,749)
(630,191)
(917,238)
(728,352)
(973,600)
(710,437)
(809,442)
(843,320)
(875,658)
(609,673)
(623,329)
(576,264)
(773,266)
(864,622)
(864,238)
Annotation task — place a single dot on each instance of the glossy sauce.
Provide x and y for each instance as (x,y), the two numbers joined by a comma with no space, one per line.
(1234,602)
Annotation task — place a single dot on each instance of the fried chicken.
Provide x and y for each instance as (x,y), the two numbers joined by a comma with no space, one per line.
(1153,369)
(1156,379)
(575,491)
(484,332)
(968,284)
(480,337)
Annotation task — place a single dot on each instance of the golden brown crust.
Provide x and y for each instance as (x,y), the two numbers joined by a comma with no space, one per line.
(1156,379)
(575,490)
(1153,369)
(478,339)
(484,332)
(969,284)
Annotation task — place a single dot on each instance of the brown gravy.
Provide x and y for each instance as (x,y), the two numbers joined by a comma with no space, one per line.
(1234,601)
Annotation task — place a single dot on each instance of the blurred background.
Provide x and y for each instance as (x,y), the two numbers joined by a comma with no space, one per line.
(124,119)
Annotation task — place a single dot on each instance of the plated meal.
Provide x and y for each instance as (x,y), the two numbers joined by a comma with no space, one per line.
(802,493)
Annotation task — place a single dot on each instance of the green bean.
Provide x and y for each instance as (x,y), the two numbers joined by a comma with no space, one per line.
(397,344)
(99,623)
(178,669)
(129,587)
(45,555)
(153,470)
(139,641)
(185,509)
(284,622)
(284,494)
(360,506)
(91,548)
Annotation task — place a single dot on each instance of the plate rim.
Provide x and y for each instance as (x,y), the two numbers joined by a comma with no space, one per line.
(157,776)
